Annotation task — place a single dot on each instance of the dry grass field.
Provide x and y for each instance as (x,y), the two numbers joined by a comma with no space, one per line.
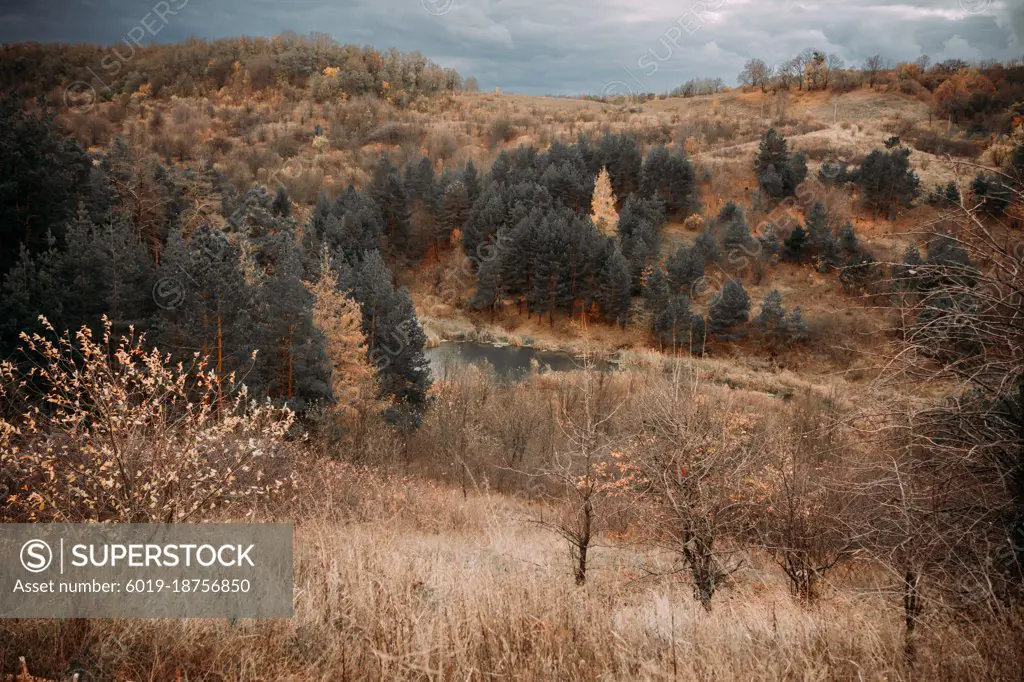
(440,587)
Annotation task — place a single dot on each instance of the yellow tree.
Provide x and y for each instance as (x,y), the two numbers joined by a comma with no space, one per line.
(602,206)
(340,318)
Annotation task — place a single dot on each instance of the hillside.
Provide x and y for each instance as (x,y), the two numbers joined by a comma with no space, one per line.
(789,447)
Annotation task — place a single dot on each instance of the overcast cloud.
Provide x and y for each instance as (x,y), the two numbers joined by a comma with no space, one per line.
(566,46)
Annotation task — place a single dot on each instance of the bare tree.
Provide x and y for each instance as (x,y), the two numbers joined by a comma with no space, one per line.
(948,495)
(694,463)
(756,73)
(872,66)
(803,519)
(580,477)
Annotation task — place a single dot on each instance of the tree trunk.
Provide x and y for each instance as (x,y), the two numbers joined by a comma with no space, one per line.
(584,543)
(911,612)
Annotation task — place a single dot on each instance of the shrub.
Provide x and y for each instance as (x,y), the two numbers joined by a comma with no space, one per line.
(502,130)
(395,134)
(107,430)
(992,194)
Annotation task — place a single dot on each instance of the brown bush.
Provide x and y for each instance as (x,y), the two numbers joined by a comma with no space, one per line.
(501,130)
(395,134)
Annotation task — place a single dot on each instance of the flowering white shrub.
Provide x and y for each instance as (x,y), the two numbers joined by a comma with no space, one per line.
(104,430)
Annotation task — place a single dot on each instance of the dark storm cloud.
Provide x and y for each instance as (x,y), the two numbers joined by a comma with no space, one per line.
(570,46)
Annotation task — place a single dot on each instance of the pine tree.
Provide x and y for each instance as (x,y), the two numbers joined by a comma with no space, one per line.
(471,181)
(830,253)
(656,291)
(393,333)
(847,237)
(394,209)
(887,180)
(796,246)
(488,213)
(32,287)
(770,244)
(685,268)
(43,173)
(729,308)
(602,208)
(620,154)
(735,233)
(639,225)
(282,206)
(817,225)
(670,177)
(779,173)
(490,289)
(298,369)
(543,295)
(615,289)
(707,246)
(678,327)
(110,272)
(775,325)
(207,307)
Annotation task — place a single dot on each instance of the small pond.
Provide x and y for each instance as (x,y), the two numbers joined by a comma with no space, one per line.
(508,362)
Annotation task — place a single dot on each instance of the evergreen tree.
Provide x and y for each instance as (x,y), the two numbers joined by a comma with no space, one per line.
(32,287)
(488,213)
(298,369)
(282,207)
(707,246)
(43,174)
(671,178)
(639,234)
(490,289)
(887,180)
(729,308)
(620,154)
(770,244)
(453,213)
(848,241)
(394,209)
(796,247)
(678,327)
(471,181)
(778,172)
(393,333)
(830,253)
(859,273)
(992,194)
(777,327)
(734,230)
(110,272)
(817,225)
(615,289)
(656,291)
(206,306)
(685,268)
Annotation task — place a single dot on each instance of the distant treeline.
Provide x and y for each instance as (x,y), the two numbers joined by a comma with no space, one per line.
(199,67)
(987,96)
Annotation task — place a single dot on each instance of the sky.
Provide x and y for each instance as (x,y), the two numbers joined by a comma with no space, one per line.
(561,47)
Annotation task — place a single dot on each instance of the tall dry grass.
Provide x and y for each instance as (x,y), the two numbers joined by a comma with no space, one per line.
(442,587)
